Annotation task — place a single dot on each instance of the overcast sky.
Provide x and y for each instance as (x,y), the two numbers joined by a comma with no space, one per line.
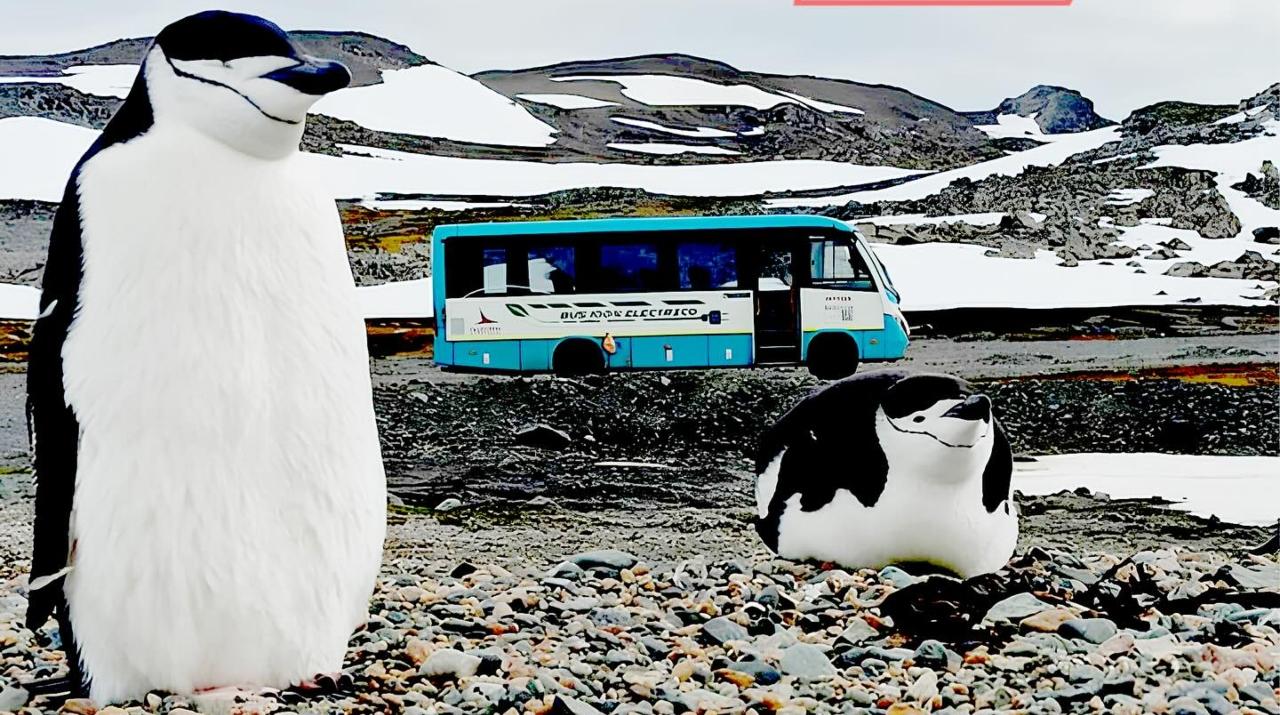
(1122,54)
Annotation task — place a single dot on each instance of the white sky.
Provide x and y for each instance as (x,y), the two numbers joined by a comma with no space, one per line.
(1122,54)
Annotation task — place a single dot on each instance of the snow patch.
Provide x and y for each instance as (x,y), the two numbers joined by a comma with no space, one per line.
(822,106)
(669,149)
(364,172)
(19,302)
(98,80)
(938,276)
(421,204)
(1231,162)
(38,156)
(1126,197)
(979,219)
(400,299)
(1013,126)
(667,90)
(434,101)
(1201,484)
(699,132)
(566,101)
(1050,154)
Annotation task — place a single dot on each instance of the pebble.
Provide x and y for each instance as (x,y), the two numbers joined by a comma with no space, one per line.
(1047,621)
(806,661)
(449,505)
(450,662)
(12,698)
(1016,608)
(1092,630)
(858,631)
(722,630)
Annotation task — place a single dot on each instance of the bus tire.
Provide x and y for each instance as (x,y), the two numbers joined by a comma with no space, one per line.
(577,357)
(832,356)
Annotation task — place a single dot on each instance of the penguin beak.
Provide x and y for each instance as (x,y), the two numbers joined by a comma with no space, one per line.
(312,76)
(976,407)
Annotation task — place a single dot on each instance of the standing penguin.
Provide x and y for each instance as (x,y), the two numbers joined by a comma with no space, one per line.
(889,467)
(210,499)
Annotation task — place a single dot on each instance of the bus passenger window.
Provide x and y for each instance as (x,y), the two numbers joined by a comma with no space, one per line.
(551,270)
(707,266)
(629,267)
(835,264)
(495,271)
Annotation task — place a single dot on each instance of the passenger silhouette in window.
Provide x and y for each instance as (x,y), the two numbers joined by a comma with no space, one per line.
(699,278)
(561,281)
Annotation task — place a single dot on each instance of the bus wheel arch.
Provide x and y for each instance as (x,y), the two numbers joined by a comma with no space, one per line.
(577,356)
(832,355)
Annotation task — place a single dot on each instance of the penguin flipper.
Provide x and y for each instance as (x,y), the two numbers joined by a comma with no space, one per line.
(843,413)
(997,477)
(52,426)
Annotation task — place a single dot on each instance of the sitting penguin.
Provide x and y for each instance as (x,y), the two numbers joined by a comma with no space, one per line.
(889,467)
(210,503)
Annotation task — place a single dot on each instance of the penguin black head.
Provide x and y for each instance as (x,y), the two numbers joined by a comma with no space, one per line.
(936,408)
(237,78)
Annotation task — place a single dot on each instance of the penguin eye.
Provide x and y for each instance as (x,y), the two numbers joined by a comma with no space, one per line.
(918,419)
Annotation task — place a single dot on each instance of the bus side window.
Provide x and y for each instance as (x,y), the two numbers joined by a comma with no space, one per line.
(628,268)
(834,264)
(552,270)
(494,261)
(706,265)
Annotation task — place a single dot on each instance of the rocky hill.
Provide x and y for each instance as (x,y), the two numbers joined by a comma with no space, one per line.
(705,105)
(364,54)
(1056,110)
(688,110)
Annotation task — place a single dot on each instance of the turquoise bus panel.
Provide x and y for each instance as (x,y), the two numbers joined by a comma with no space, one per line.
(443,351)
(669,351)
(888,343)
(621,359)
(727,350)
(535,354)
(893,340)
(490,355)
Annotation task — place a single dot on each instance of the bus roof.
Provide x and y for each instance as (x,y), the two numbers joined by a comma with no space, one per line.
(605,225)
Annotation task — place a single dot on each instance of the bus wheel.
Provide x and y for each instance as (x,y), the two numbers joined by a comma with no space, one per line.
(577,357)
(832,356)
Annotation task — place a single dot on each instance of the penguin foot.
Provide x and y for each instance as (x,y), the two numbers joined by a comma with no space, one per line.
(324,684)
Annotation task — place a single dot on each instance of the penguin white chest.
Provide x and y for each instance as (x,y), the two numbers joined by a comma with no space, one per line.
(230,500)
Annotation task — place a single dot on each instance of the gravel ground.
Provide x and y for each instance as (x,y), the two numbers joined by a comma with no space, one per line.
(1162,631)
(1117,606)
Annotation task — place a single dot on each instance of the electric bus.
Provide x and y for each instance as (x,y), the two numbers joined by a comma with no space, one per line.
(596,295)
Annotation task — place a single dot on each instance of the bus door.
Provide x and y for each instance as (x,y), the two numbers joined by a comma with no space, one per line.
(840,292)
(777,297)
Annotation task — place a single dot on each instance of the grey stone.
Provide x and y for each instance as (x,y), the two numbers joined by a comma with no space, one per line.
(12,698)
(898,577)
(1091,630)
(722,630)
(1016,608)
(858,631)
(542,436)
(604,558)
(807,662)
(564,705)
